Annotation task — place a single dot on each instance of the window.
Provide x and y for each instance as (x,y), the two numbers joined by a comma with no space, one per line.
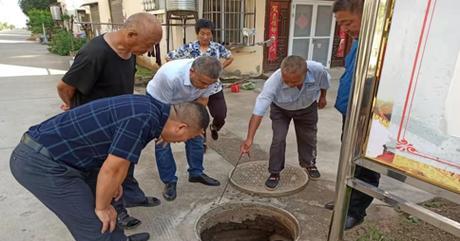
(234,20)
(150,5)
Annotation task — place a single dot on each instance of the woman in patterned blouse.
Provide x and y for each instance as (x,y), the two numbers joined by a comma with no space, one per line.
(205,46)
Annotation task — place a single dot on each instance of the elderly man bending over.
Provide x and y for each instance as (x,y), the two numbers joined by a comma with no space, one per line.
(294,92)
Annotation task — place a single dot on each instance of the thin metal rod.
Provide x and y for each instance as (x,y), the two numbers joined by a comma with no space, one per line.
(229,179)
(411,208)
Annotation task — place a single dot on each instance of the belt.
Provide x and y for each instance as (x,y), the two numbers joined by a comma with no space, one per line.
(27,140)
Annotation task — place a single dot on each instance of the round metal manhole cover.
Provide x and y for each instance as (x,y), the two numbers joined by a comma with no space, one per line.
(250,177)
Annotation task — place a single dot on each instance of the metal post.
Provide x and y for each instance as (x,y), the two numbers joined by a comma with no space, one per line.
(45,38)
(222,20)
(351,145)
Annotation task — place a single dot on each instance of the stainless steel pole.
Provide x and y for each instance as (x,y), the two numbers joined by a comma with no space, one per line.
(351,148)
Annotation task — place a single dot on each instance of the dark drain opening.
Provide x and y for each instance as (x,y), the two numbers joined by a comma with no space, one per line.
(247,222)
(262,228)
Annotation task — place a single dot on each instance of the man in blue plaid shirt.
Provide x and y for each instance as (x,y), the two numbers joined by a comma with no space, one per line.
(55,160)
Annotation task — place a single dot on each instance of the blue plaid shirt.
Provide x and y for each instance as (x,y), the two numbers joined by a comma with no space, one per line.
(192,50)
(84,136)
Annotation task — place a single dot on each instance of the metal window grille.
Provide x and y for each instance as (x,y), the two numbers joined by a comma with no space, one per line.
(230,18)
(150,5)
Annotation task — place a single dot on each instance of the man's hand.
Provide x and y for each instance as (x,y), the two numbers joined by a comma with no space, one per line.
(119,193)
(108,218)
(64,107)
(245,147)
(322,102)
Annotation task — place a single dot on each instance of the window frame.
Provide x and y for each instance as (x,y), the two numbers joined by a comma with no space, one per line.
(229,25)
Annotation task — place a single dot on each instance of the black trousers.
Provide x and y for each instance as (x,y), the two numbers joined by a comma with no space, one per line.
(305,121)
(67,192)
(359,201)
(218,109)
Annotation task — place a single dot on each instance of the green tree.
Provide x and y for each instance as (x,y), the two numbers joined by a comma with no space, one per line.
(38,17)
(27,5)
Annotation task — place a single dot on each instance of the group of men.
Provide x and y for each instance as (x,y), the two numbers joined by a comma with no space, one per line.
(80,163)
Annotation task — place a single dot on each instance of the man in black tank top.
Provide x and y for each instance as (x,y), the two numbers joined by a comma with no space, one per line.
(105,67)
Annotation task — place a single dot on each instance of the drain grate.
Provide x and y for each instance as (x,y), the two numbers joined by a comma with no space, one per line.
(250,177)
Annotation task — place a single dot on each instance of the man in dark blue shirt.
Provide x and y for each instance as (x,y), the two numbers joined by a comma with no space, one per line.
(55,159)
(106,67)
(348,14)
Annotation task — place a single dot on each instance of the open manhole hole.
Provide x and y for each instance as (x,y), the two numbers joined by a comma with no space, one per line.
(247,222)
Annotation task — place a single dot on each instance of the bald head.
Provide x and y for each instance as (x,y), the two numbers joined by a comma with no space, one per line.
(143,31)
(143,22)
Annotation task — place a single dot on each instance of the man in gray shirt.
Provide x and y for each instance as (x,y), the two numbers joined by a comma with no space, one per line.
(294,92)
(182,81)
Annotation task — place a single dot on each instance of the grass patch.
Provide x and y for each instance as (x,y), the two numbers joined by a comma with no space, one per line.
(374,234)
(143,72)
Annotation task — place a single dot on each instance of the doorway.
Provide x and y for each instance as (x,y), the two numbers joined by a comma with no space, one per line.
(312,30)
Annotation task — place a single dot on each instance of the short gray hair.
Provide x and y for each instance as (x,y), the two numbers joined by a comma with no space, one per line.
(207,65)
(193,114)
(352,6)
(294,65)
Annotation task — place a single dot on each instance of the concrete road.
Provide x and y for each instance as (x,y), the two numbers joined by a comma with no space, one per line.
(28,76)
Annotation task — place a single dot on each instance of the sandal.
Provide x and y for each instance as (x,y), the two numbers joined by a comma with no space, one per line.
(148,202)
(272,181)
(312,172)
(127,222)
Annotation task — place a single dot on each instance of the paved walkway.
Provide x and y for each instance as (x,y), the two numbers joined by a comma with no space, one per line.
(28,76)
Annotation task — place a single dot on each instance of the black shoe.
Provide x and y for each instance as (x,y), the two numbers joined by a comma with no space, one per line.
(204,179)
(214,133)
(329,205)
(351,222)
(312,172)
(272,181)
(169,192)
(139,237)
(148,202)
(127,222)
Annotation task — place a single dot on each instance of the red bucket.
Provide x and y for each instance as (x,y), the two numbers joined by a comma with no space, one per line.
(235,88)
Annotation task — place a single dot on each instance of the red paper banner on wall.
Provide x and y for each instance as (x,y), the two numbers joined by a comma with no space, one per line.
(342,43)
(273,31)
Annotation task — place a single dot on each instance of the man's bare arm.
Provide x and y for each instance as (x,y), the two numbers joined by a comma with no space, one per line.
(254,124)
(66,92)
(109,180)
(227,62)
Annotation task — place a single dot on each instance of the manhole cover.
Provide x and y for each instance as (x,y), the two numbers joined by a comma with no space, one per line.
(247,222)
(250,177)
